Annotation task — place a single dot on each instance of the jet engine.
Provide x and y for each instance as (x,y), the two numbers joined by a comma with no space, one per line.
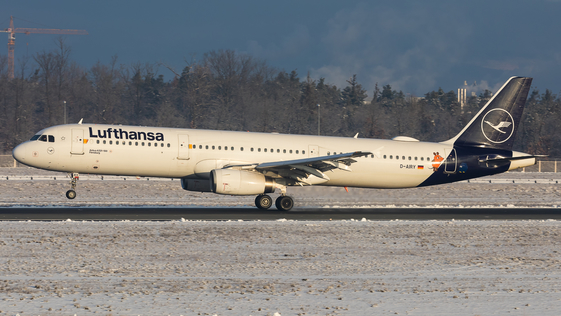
(240,182)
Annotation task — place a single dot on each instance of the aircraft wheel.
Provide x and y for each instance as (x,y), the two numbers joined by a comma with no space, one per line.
(263,201)
(284,203)
(70,194)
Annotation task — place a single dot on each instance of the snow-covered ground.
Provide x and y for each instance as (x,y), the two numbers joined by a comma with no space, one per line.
(509,189)
(281,268)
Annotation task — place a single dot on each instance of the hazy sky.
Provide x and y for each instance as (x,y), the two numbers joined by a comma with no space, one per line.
(416,46)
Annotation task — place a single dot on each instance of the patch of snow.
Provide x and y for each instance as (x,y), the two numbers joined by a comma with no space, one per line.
(284,267)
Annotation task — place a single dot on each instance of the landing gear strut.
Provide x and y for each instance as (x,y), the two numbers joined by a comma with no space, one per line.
(71,194)
(263,201)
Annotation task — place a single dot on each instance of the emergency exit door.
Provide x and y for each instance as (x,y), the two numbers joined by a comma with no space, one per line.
(183,147)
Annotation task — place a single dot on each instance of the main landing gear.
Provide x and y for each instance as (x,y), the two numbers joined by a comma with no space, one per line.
(71,194)
(283,202)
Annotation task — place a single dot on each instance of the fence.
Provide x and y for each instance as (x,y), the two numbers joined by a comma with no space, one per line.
(7,161)
(543,166)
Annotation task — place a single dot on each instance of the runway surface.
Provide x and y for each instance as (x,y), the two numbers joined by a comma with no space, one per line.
(239,213)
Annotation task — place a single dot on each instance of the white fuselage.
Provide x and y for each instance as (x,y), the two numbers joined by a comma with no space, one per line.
(188,153)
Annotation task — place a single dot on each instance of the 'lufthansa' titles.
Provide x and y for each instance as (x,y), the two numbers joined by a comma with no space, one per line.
(120,134)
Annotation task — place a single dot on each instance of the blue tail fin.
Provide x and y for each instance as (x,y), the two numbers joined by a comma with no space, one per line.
(496,123)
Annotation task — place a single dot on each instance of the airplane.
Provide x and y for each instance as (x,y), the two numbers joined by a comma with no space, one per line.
(246,163)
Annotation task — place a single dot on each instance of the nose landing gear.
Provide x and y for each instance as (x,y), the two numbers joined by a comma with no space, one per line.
(71,194)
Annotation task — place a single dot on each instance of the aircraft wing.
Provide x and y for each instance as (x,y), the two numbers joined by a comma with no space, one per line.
(302,170)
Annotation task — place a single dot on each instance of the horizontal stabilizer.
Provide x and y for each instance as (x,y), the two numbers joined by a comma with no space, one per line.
(504,159)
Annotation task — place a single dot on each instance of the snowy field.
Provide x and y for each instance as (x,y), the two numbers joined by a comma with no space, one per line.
(280,267)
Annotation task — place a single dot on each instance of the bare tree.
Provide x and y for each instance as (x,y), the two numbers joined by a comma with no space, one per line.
(48,65)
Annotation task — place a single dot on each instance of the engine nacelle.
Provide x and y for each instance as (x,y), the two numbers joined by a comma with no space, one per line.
(239,182)
(199,185)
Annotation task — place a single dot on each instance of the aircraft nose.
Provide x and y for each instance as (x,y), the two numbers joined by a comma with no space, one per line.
(19,153)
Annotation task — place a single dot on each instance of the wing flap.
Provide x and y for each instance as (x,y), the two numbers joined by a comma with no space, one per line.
(303,170)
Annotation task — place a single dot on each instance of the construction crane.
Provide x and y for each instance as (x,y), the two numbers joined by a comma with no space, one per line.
(12,39)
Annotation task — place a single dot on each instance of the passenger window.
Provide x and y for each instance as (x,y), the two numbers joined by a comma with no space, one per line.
(206,147)
(149,144)
(116,142)
(142,143)
(232,148)
(259,149)
(396,157)
(303,152)
(136,143)
(422,158)
(110,142)
(251,149)
(169,145)
(391,156)
(265,150)
(104,142)
(384,156)
(97,141)
(409,157)
(51,139)
(219,147)
(241,148)
(130,143)
(328,153)
(290,151)
(200,146)
(213,147)
(278,151)
(403,157)
(296,150)
(272,150)
(284,151)
(415,158)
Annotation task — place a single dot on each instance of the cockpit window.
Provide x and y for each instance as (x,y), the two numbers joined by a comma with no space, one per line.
(35,137)
(51,139)
(43,138)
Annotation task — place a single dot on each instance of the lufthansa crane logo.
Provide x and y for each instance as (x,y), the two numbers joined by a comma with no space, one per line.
(497,126)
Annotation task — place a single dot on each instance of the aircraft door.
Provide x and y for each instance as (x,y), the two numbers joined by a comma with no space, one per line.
(451,163)
(313,151)
(183,147)
(77,145)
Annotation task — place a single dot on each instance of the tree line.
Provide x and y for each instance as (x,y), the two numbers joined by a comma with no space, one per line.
(227,90)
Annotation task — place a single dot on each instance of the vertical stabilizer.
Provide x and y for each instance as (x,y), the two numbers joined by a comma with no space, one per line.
(496,123)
